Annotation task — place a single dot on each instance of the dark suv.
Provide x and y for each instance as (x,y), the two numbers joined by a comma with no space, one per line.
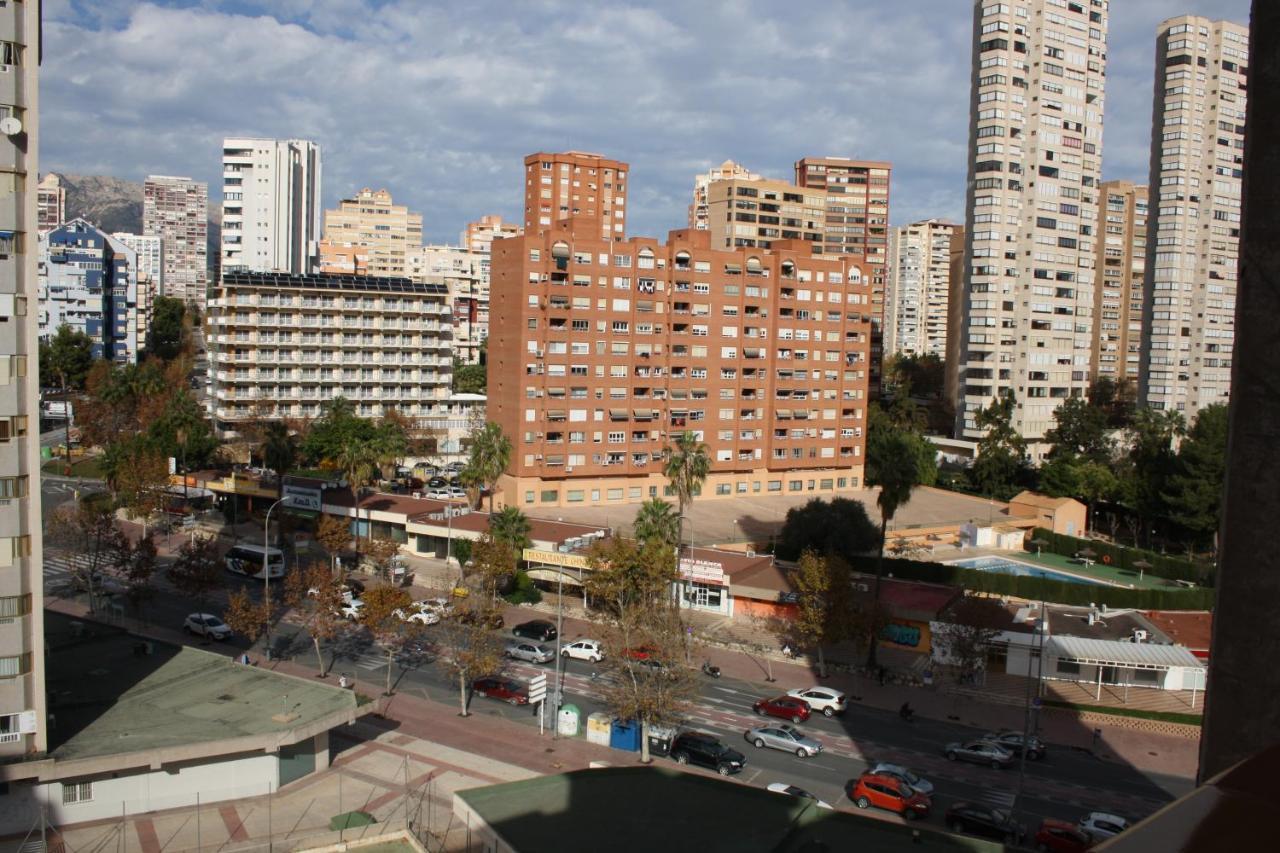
(538,629)
(707,751)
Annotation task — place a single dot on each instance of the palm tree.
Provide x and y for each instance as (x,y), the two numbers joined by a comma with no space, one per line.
(279,452)
(686,465)
(359,463)
(897,473)
(513,527)
(490,456)
(656,519)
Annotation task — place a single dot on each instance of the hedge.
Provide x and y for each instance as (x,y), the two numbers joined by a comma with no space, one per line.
(1041,589)
(1162,565)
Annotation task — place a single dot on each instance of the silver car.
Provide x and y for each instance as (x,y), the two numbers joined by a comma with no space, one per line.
(902,774)
(979,752)
(532,652)
(785,737)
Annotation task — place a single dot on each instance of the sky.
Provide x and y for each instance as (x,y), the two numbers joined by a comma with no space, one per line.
(439,102)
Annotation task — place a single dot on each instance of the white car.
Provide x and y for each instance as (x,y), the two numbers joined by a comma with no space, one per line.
(421,617)
(206,625)
(793,791)
(438,494)
(1100,825)
(902,774)
(829,702)
(352,609)
(457,494)
(588,650)
(440,606)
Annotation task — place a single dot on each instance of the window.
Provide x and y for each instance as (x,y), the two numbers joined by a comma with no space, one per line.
(15,665)
(1068,667)
(14,605)
(76,792)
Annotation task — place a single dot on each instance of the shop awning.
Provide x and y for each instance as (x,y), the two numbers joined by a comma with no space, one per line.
(556,413)
(618,414)
(644,414)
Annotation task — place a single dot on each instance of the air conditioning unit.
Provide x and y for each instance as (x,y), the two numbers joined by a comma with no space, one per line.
(751,553)
(862,587)
(539,354)
(568,469)
(537,457)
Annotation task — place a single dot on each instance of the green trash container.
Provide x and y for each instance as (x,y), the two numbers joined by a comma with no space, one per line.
(46,453)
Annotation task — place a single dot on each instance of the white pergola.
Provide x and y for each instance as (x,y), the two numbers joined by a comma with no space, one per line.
(1121,655)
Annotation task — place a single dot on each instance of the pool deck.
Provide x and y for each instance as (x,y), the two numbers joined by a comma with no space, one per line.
(1095,572)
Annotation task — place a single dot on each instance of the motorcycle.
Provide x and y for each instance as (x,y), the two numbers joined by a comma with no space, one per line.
(709,669)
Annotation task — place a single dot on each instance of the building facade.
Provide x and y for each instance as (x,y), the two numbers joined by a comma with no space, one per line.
(270,205)
(575,185)
(369,235)
(918,293)
(51,202)
(281,346)
(1119,294)
(478,236)
(756,212)
(23,730)
(89,281)
(176,210)
(149,252)
(465,275)
(1193,233)
(728,170)
(1031,208)
(601,352)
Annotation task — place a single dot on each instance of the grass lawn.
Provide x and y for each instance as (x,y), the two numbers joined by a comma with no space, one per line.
(1101,571)
(89,466)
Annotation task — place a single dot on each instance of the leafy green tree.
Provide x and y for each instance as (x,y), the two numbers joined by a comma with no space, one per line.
(886,436)
(1002,451)
(657,520)
(1117,398)
(897,475)
(839,527)
(686,464)
(336,427)
(469,378)
(65,361)
(1080,432)
(165,337)
(494,565)
(279,452)
(1144,473)
(1195,487)
(824,599)
(511,526)
(490,456)
(197,572)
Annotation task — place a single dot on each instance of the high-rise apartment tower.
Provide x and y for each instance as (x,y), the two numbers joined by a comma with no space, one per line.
(369,235)
(728,170)
(1031,208)
(918,287)
(177,211)
(270,205)
(575,185)
(1118,293)
(51,202)
(1193,229)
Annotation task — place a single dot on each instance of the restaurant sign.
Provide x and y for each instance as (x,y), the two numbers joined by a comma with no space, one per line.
(702,571)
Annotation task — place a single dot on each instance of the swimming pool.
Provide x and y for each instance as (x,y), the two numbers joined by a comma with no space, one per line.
(1004,566)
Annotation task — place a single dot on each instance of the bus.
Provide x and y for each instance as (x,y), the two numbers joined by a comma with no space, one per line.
(248,560)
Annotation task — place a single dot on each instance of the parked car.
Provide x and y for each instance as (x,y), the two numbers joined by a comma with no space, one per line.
(979,752)
(439,606)
(437,483)
(897,771)
(801,793)
(1060,836)
(531,652)
(1012,741)
(786,707)
(829,702)
(419,617)
(441,494)
(784,737)
(1100,825)
(706,750)
(351,609)
(206,625)
(588,650)
(888,793)
(457,494)
(507,689)
(537,629)
(977,819)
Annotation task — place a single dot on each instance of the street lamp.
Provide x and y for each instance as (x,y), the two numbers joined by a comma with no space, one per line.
(266,564)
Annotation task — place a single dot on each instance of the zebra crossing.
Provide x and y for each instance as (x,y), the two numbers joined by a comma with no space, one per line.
(61,567)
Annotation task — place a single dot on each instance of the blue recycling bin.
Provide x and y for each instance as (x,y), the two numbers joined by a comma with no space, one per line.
(625,735)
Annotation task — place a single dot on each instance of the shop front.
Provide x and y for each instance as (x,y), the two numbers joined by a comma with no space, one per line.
(703,585)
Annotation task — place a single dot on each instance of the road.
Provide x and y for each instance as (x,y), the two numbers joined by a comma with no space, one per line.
(1066,784)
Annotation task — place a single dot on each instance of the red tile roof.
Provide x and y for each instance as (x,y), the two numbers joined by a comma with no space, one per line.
(1190,628)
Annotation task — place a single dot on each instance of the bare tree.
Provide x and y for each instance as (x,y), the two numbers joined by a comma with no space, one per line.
(971,624)
(87,530)
(248,618)
(381,614)
(468,648)
(198,570)
(334,535)
(314,595)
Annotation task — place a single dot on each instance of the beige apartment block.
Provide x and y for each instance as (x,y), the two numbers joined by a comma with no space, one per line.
(728,170)
(603,351)
(176,210)
(23,718)
(51,203)
(918,292)
(1119,295)
(575,185)
(465,276)
(281,346)
(1193,228)
(478,236)
(1031,208)
(369,235)
(756,212)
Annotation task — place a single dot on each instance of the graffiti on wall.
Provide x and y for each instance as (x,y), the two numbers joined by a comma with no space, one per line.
(902,635)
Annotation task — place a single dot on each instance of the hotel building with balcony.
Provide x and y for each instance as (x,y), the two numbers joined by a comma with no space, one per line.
(601,352)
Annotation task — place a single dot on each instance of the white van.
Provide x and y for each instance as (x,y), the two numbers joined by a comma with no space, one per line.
(248,560)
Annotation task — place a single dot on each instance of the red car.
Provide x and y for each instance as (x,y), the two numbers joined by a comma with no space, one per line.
(639,653)
(506,689)
(889,793)
(1060,836)
(786,707)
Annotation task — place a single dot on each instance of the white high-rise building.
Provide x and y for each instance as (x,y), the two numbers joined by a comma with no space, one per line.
(918,292)
(23,718)
(1031,209)
(176,210)
(1193,222)
(150,273)
(271,208)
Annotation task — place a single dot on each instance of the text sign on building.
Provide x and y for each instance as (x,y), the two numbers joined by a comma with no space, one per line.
(702,571)
(537,688)
(554,558)
(302,497)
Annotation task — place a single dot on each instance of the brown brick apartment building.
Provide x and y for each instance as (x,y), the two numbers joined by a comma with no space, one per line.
(601,351)
(575,184)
